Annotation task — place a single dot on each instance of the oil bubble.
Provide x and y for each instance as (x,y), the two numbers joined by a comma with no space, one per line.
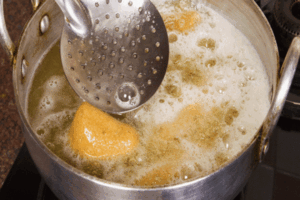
(127,96)
(242,130)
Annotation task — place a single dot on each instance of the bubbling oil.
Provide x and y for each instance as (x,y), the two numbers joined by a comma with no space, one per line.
(209,107)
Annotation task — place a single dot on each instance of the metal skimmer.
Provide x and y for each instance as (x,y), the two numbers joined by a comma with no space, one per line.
(114,52)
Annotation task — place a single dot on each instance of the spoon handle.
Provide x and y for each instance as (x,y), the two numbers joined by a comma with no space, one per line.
(76,16)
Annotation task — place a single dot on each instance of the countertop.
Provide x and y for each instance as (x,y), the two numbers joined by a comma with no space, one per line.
(17,13)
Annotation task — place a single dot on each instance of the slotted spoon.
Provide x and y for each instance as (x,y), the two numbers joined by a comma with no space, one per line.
(114,52)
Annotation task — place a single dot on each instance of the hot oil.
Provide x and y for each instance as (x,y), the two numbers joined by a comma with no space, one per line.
(52,103)
(51,92)
(209,107)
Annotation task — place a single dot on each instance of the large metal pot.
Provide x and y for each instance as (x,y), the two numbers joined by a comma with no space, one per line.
(43,31)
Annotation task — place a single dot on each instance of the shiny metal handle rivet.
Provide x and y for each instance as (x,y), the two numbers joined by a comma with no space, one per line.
(44,24)
(35,4)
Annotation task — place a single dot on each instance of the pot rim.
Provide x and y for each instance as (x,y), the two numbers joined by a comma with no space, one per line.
(111,184)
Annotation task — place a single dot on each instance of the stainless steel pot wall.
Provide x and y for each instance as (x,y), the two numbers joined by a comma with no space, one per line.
(43,31)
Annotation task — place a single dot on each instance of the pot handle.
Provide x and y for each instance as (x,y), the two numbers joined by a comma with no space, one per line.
(5,39)
(286,76)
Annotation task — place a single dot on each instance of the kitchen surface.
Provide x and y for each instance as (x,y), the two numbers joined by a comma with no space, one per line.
(17,13)
(277,177)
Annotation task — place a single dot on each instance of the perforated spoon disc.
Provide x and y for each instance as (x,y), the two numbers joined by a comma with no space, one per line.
(121,64)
